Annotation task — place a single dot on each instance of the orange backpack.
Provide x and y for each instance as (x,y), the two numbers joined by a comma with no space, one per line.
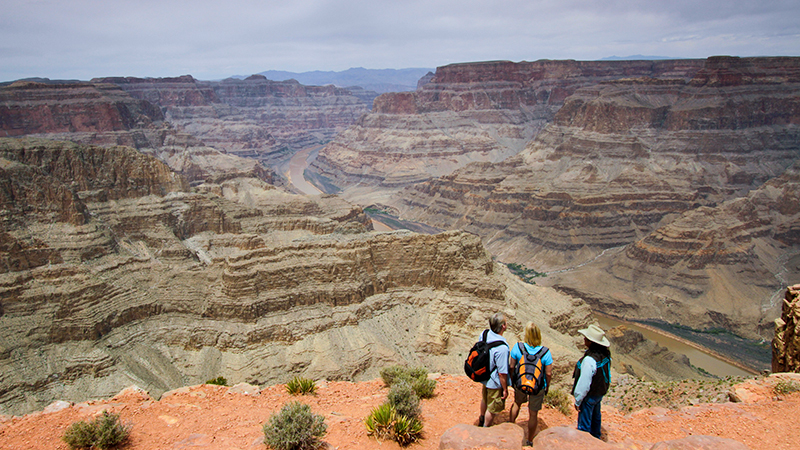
(529,376)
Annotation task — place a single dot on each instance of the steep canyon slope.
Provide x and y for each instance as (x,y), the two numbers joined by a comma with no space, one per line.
(651,198)
(114,271)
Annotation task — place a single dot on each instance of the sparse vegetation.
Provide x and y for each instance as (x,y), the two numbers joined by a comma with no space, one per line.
(295,427)
(630,394)
(219,381)
(403,399)
(527,275)
(380,421)
(559,399)
(300,385)
(103,432)
(785,387)
(407,430)
(398,418)
(417,377)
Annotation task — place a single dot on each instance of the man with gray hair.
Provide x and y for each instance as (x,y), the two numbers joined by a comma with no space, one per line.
(495,389)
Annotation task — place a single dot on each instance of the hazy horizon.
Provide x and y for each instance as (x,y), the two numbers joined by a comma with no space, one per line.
(83,39)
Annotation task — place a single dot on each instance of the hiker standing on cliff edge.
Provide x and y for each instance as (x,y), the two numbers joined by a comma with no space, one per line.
(495,390)
(592,377)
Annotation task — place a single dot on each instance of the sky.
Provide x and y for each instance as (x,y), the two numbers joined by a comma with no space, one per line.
(84,39)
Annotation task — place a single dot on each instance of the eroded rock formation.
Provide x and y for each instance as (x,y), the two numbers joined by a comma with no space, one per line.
(115,273)
(786,343)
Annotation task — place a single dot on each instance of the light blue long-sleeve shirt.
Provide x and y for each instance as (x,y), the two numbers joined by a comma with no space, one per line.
(588,369)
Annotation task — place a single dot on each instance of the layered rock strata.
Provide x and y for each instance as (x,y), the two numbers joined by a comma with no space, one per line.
(625,158)
(116,273)
(255,117)
(475,112)
(100,113)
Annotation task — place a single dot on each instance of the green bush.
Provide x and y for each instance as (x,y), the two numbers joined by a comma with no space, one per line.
(299,385)
(560,400)
(407,430)
(103,432)
(380,421)
(295,427)
(424,387)
(404,400)
(219,381)
(392,374)
(785,387)
(417,377)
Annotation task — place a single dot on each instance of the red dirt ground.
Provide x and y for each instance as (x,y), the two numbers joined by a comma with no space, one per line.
(209,416)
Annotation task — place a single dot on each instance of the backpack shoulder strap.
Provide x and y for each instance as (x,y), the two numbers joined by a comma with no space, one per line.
(485,335)
(522,348)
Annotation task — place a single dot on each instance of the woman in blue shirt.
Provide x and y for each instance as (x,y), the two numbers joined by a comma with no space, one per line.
(533,343)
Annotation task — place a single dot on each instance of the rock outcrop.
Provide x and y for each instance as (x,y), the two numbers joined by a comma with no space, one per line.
(115,272)
(626,158)
(786,343)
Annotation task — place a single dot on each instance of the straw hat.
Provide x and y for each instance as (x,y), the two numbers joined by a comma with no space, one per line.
(595,334)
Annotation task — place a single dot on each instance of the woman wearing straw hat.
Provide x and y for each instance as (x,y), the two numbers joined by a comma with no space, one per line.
(592,377)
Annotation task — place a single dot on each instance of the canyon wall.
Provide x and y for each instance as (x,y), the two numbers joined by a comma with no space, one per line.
(474,112)
(625,158)
(116,272)
(255,117)
(786,343)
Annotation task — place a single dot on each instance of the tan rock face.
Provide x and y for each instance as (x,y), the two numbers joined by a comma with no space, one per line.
(168,286)
(786,343)
(477,112)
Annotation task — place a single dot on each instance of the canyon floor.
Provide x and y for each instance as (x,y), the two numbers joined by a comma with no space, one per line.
(218,417)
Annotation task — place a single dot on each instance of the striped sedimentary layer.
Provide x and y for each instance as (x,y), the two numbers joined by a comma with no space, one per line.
(474,112)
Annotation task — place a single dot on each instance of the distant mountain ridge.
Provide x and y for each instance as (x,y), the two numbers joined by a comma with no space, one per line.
(378,80)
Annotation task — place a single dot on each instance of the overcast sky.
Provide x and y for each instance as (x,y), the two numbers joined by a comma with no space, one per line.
(83,39)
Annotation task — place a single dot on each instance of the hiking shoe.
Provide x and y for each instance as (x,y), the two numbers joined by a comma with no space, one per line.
(528,444)
(480,421)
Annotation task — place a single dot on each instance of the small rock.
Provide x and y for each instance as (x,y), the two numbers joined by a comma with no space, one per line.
(56,406)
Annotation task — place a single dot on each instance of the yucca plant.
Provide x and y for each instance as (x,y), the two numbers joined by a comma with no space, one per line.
(407,430)
(380,421)
(300,385)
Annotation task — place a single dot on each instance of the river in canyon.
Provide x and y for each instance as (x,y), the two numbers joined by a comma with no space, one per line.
(697,356)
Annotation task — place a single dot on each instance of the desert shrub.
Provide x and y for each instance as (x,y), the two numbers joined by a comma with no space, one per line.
(219,381)
(559,399)
(300,385)
(295,427)
(103,432)
(380,421)
(407,430)
(785,387)
(424,387)
(417,377)
(404,400)
(392,374)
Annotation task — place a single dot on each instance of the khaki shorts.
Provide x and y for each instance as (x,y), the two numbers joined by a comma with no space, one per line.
(534,401)
(495,403)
